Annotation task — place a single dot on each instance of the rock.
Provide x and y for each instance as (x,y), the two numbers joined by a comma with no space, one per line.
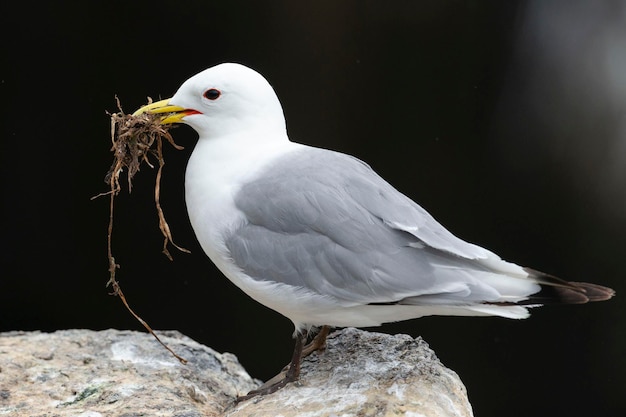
(83,373)
(367,374)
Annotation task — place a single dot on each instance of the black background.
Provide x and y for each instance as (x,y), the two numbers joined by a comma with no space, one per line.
(506,120)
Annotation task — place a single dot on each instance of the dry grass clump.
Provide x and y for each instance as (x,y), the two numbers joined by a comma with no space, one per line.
(135,139)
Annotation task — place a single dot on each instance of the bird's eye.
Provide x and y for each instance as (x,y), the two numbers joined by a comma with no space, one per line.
(212,94)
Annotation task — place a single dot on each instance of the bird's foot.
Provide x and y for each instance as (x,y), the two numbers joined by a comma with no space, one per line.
(291,372)
(318,343)
(272,385)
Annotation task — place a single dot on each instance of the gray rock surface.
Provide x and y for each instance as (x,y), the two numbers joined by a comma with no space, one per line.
(368,374)
(83,373)
(114,373)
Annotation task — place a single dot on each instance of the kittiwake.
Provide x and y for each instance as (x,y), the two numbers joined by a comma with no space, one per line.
(317,235)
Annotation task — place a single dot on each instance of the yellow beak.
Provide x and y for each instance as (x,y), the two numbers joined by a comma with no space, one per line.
(174,114)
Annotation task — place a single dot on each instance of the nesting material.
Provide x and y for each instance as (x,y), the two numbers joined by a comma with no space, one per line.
(135,140)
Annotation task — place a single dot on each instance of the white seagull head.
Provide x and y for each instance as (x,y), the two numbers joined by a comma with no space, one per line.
(223,100)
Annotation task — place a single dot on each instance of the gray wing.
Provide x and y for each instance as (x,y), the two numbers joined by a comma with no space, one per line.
(325,221)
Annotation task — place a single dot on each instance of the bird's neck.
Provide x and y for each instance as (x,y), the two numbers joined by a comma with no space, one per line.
(233,158)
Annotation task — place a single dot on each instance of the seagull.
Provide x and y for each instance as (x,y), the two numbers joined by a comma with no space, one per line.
(321,238)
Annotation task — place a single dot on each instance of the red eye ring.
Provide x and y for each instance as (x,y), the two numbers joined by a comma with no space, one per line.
(212,94)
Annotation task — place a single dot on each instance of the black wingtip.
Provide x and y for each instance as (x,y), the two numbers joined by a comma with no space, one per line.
(556,290)
(595,292)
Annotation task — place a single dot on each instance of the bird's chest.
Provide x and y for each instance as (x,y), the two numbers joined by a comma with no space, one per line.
(215,173)
(209,189)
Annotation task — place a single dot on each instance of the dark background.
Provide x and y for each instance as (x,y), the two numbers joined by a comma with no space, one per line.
(506,120)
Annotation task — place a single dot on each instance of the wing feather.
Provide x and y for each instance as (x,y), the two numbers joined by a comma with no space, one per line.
(326,222)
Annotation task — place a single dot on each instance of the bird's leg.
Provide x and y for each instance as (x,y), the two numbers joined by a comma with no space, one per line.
(318,342)
(292,373)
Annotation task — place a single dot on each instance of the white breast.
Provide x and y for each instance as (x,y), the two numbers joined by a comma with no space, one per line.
(215,173)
